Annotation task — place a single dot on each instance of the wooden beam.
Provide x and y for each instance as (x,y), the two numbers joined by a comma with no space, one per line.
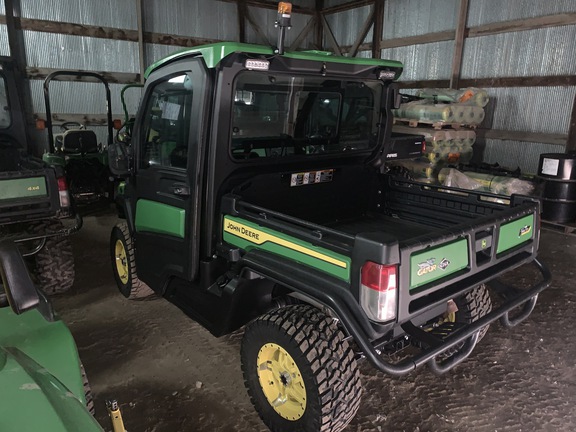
(178,40)
(535,137)
(263,38)
(378,28)
(571,141)
(175,40)
(106,32)
(424,84)
(363,32)
(459,45)
(543,81)
(141,48)
(303,34)
(524,24)
(111,77)
(346,6)
(274,6)
(85,119)
(330,36)
(483,30)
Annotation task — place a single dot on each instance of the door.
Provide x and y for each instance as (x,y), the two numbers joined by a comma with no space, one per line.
(168,141)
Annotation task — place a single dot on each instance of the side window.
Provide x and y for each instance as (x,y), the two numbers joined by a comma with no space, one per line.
(167,123)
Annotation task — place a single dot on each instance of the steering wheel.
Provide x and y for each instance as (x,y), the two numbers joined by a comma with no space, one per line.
(67,125)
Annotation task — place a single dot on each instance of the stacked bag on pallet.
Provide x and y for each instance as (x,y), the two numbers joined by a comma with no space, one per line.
(500,185)
(433,109)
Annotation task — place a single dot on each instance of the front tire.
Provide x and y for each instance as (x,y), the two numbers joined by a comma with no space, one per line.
(300,371)
(124,264)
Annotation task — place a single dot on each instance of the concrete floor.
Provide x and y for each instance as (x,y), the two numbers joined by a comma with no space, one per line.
(169,374)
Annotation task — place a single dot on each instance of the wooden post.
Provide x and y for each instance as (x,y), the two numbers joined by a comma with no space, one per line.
(378,28)
(319,37)
(18,53)
(459,45)
(241,8)
(571,142)
(141,47)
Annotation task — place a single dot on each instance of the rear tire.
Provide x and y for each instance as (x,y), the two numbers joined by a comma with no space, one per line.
(300,371)
(54,263)
(124,264)
(472,306)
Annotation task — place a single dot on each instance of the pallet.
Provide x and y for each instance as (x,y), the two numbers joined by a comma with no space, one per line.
(564,228)
(438,125)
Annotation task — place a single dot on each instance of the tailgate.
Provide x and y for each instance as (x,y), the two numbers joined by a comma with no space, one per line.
(484,240)
(28,195)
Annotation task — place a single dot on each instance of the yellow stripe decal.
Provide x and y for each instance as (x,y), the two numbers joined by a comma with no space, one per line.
(259,237)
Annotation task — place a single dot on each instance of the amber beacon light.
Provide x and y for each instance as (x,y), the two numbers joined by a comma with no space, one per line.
(283,22)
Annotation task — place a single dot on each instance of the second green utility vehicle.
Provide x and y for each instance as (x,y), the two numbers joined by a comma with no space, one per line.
(255,194)
(36,209)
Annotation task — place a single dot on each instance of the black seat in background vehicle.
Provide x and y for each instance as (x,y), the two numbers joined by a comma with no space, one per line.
(80,141)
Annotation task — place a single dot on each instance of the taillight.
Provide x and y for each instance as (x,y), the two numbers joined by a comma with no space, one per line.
(378,286)
(423,146)
(63,192)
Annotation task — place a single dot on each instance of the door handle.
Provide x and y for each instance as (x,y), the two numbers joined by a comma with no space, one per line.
(181,190)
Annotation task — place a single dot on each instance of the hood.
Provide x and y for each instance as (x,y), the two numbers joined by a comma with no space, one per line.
(35,400)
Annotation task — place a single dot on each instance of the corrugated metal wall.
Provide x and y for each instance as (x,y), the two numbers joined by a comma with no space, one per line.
(541,52)
(346,25)
(546,51)
(4,48)
(206,19)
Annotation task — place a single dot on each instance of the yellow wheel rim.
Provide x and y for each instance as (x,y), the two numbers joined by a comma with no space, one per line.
(121,261)
(281,381)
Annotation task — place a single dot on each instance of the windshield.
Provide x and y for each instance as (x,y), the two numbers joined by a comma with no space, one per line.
(283,115)
(4,107)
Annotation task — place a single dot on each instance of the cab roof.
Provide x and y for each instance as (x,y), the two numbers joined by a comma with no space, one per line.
(214,53)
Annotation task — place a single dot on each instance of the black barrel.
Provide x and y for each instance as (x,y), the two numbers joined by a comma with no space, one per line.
(558,170)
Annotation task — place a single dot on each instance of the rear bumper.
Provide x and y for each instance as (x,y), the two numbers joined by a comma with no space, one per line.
(469,334)
(65,231)
(335,295)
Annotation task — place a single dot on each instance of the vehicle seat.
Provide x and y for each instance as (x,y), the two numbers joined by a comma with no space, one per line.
(79,141)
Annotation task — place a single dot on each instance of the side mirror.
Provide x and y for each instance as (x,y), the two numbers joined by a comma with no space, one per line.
(20,290)
(119,159)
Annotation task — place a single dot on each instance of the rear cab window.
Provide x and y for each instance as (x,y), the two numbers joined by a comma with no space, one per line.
(279,115)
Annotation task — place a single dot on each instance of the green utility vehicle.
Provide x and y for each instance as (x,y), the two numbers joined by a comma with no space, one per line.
(43,385)
(35,205)
(256,194)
